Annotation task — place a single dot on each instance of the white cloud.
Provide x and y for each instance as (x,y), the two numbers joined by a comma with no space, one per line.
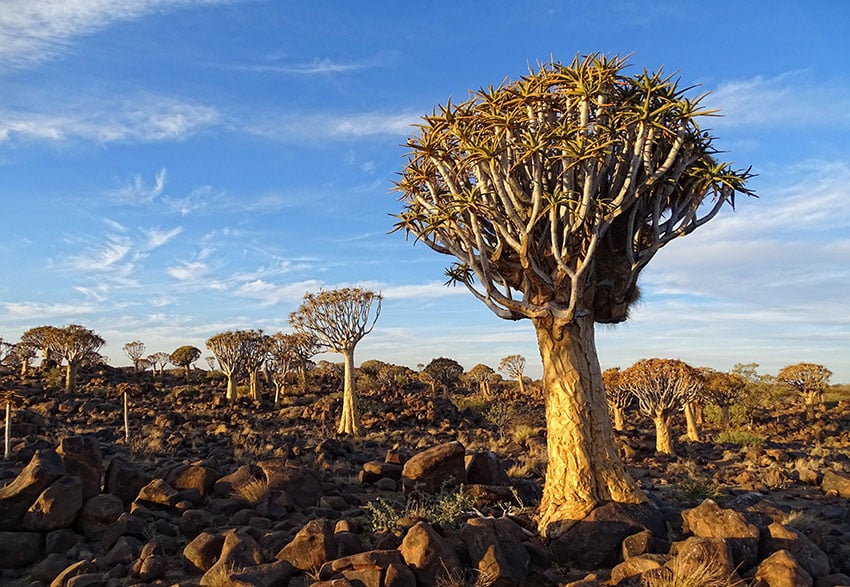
(188,271)
(432,290)
(31,310)
(145,119)
(103,256)
(136,192)
(270,294)
(326,126)
(32,31)
(792,99)
(156,238)
(317,66)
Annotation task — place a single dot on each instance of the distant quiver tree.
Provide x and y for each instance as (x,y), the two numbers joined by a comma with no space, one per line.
(76,345)
(809,380)
(514,366)
(185,356)
(339,319)
(135,350)
(553,192)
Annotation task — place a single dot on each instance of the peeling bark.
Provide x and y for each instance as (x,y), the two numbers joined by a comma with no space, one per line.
(663,442)
(349,422)
(584,468)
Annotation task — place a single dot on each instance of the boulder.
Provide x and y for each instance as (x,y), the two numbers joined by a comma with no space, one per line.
(781,569)
(369,569)
(77,569)
(20,549)
(301,483)
(495,548)
(313,546)
(124,480)
(239,550)
(44,468)
(374,471)
(97,514)
(430,557)
(434,468)
(57,506)
(806,552)
(697,550)
(637,565)
(202,552)
(596,541)
(485,468)
(49,568)
(273,574)
(836,483)
(83,459)
(158,492)
(193,477)
(708,520)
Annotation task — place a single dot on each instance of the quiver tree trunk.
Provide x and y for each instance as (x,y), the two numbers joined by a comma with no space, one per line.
(349,422)
(254,384)
(691,421)
(71,376)
(126,418)
(619,418)
(725,417)
(231,387)
(584,468)
(663,441)
(8,435)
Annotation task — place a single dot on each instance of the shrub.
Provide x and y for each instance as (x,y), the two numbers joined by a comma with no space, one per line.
(446,508)
(738,437)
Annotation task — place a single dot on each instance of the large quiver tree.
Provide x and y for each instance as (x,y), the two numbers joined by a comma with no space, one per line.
(339,319)
(76,345)
(553,192)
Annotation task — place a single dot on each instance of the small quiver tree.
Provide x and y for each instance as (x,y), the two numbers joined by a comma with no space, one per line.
(10,399)
(227,350)
(723,390)
(444,372)
(514,366)
(185,356)
(810,380)
(482,375)
(255,348)
(135,351)
(553,193)
(125,390)
(339,319)
(158,362)
(619,397)
(662,388)
(76,345)
(24,353)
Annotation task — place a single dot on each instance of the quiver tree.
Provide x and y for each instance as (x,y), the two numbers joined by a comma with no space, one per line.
(809,380)
(514,366)
(76,345)
(619,397)
(723,390)
(158,361)
(255,347)
(553,192)
(662,388)
(125,390)
(185,356)
(483,375)
(135,351)
(279,362)
(24,353)
(39,338)
(444,372)
(9,399)
(227,350)
(339,319)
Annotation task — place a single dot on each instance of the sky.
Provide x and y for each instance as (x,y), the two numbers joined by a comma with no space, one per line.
(171,169)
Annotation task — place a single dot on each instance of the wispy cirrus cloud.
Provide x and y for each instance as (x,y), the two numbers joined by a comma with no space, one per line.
(136,191)
(792,99)
(188,271)
(156,237)
(33,31)
(30,310)
(333,126)
(316,66)
(146,119)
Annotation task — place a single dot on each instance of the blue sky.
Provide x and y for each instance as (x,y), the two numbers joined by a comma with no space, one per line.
(170,169)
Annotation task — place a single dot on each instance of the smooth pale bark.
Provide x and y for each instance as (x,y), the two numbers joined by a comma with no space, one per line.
(521,385)
(71,376)
(254,384)
(24,368)
(126,419)
(231,387)
(691,421)
(618,418)
(584,468)
(349,422)
(8,447)
(663,441)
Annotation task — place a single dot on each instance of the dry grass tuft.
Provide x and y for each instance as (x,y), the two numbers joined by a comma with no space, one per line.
(253,492)
(688,572)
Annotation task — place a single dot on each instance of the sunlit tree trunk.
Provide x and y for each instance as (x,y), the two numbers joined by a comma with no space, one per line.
(521,385)
(231,387)
(349,422)
(71,376)
(618,418)
(254,384)
(584,468)
(126,418)
(691,421)
(8,446)
(663,441)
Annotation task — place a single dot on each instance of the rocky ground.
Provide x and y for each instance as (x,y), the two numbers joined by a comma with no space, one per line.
(255,494)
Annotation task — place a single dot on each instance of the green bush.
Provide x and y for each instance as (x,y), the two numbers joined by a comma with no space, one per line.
(738,437)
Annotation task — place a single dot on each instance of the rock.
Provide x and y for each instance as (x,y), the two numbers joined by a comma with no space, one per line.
(193,521)
(781,569)
(193,477)
(83,567)
(125,525)
(83,459)
(44,468)
(57,506)
(596,541)
(496,550)
(434,468)
(61,541)
(696,550)
(368,568)
(838,580)
(49,568)
(642,542)
(238,551)
(153,568)
(202,552)
(637,565)
(301,483)
(125,480)
(836,483)
(273,574)
(97,514)
(20,549)
(158,492)
(708,520)
(125,550)
(485,468)
(228,485)
(313,546)
(374,471)
(429,556)
(810,557)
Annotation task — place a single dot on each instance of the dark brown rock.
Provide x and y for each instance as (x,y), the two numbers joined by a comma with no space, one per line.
(836,483)
(20,549)
(368,568)
(781,569)
(313,546)
(434,468)
(238,551)
(374,471)
(485,468)
(57,506)
(158,492)
(44,468)
(810,557)
(429,556)
(49,568)
(193,476)
(202,552)
(97,514)
(83,567)
(496,550)
(301,483)
(83,459)
(125,480)
(273,574)
(708,520)
(637,565)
